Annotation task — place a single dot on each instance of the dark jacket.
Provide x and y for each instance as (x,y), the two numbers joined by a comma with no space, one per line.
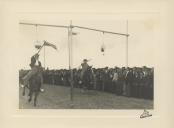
(33,61)
(129,77)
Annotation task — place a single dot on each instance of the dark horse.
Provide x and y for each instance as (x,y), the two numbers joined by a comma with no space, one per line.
(87,79)
(34,87)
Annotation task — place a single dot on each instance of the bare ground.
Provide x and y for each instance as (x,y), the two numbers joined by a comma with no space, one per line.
(58,97)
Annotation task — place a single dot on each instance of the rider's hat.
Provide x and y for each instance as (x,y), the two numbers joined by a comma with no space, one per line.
(85,60)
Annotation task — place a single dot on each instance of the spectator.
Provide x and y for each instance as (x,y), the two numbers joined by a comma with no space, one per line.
(132,82)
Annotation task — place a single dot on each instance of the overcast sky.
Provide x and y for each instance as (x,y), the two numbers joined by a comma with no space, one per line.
(87,43)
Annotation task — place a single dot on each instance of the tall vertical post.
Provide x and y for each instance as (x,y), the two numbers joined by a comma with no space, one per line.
(70,59)
(36,34)
(127,45)
(44,57)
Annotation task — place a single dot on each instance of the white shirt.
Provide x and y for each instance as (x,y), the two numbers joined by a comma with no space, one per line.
(37,63)
(115,77)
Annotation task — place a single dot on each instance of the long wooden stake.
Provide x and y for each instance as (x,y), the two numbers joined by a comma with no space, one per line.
(127,45)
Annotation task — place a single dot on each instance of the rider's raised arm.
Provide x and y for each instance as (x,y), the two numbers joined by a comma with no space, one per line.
(40,65)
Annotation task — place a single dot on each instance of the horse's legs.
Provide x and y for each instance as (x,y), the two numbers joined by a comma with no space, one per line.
(29,93)
(30,96)
(84,85)
(35,98)
(88,83)
(23,93)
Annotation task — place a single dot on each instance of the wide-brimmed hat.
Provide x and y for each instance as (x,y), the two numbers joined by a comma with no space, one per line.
(85,60)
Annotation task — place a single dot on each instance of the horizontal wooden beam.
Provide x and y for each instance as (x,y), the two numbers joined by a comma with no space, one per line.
(47,25)
(74,26)
(121,34)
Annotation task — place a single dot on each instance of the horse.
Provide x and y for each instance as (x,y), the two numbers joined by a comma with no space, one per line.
(87,79)
(34,85)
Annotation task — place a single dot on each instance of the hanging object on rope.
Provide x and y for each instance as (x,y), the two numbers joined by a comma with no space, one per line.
(102,49)
(37,44)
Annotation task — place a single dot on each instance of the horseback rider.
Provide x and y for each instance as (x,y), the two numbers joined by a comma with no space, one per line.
(85,67)
(36,67)
(85,76)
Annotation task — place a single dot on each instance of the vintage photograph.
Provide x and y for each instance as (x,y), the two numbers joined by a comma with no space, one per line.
(86,64)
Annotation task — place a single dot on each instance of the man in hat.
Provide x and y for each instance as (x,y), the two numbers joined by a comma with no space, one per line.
(35,68)
(84,69)
(129,81)
(85,66)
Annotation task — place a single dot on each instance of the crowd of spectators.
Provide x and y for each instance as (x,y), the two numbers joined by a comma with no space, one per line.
(131,82)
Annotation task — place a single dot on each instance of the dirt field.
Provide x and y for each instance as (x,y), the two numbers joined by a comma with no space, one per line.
(58,97)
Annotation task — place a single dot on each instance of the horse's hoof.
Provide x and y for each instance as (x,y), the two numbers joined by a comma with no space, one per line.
(34,105)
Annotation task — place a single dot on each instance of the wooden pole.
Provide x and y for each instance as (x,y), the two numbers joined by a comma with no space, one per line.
(70,60)
(40,48)
(44,56)
(127,46)
(46,25)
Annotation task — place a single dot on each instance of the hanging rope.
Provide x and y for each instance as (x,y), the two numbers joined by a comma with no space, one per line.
(37,45)
(103,45)
(36,35)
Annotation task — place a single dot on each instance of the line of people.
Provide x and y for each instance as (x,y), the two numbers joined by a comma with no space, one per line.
(131,82)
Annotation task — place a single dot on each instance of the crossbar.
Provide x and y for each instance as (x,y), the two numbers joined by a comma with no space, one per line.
(47,25)
(121,34)
(73,26)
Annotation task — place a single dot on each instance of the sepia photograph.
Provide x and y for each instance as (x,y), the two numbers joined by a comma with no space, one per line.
(86,64)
